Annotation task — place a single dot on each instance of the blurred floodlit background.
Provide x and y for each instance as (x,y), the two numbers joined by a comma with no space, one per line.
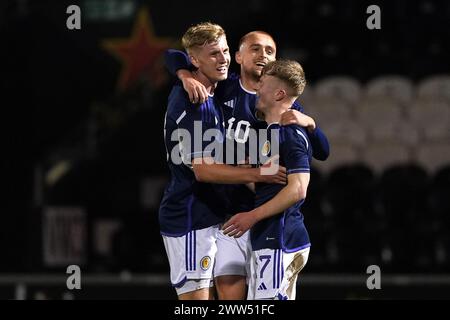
(85,166)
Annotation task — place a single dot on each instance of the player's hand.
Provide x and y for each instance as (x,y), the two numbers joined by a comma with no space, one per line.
(196,91)
(296,117)
(238,224)
(268,173)
(279,178)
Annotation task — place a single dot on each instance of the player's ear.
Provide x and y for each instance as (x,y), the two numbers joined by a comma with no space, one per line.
(238,57)
(194,61)
(280,94)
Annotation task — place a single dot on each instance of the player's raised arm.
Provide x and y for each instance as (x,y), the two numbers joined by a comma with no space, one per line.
(320,145)
(179,64)
(177,60)
(293,116)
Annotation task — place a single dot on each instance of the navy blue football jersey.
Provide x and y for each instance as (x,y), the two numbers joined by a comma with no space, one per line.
(238,105)
(230,92)
(240,121)
(242,134)
(285,230)
(188,204)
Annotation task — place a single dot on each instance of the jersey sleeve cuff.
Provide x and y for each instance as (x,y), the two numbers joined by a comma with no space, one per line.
(298,170)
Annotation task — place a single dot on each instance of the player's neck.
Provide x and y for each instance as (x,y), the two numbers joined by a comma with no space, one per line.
(203,79)
(273,114)
(248,82)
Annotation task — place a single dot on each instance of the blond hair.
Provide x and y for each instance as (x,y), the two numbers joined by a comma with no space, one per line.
(201,34)
(288,71)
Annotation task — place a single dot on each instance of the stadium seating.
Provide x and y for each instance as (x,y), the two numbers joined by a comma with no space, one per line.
(435,87)
(382,197)
(398,88)
(339,87)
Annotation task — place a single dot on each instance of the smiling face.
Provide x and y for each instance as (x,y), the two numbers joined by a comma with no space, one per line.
(256,50)
(212,59)
(206,44)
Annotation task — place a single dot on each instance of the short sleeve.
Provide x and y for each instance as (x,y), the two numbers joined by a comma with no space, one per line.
(176,60)
(295,150)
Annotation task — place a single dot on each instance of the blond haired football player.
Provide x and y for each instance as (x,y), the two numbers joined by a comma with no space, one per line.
(279,240)
(238,96)
(192,208)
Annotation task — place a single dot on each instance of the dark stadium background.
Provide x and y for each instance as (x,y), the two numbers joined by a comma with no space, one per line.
(84,165)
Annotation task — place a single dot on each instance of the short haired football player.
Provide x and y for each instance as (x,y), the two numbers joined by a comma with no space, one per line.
(190,211)
(238,95)
(279,240)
